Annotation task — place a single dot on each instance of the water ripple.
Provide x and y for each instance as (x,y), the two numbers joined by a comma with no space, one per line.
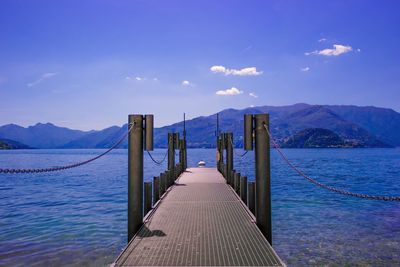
(78,217)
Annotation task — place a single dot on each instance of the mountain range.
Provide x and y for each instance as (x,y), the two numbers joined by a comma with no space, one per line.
(316,138)
(360,126)
(11,144)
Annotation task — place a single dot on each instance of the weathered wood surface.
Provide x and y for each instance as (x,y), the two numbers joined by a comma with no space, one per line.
(199,222)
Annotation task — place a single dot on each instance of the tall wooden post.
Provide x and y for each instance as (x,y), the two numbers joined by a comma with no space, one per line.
(135,175)
(217,143)
(147,197)
(219,154)
(243,188)
(181,155)
(222,149)
(229,157)
(236,182)
(163,183)
(248,132)
(149,127)
(251,198)
(263,176)
(232,179)
(184,154)
(184,143)
(156,189)
(223,146)
(171,157)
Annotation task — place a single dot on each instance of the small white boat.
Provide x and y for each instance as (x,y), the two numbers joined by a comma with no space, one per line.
(201,163)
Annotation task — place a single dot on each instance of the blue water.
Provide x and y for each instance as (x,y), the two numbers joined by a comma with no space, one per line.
(78,217)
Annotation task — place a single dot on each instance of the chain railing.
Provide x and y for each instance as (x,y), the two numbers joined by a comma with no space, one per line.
(324,186)
(60,168)
(234,150)
(158,162)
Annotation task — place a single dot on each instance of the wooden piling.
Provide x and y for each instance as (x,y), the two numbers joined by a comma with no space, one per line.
(243,189)
(163,184)
(147,197)
(263,176)
(251,196)
(237,182)
(156,189)
(229,156)
(135,175)
(171,155)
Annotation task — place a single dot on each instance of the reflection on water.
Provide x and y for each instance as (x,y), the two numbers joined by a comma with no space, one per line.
(78,217)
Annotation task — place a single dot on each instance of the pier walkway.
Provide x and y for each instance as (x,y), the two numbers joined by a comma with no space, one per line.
(199,221)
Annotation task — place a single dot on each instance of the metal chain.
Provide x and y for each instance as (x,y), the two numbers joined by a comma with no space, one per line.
(60,168)
(158,162)
(234,150)
(327,187)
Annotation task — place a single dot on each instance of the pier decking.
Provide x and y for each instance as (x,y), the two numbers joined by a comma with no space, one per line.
(200,221)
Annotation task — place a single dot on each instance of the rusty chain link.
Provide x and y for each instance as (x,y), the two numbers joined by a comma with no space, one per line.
(234,150)
(60,168)
(327,187)
(158,162)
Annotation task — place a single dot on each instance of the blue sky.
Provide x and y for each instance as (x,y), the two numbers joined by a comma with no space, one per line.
(88,64)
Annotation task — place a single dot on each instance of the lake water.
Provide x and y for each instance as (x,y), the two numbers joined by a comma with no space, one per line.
(77,217)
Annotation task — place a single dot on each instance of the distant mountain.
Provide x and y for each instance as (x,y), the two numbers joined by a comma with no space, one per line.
(324,117)
(382,122)
(200,132)
(11,144)
(40,135)
(316,138)
(360,126)
(94,139)
(286,121)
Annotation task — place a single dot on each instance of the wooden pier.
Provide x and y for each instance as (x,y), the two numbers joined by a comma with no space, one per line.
(199,221)
(199,216)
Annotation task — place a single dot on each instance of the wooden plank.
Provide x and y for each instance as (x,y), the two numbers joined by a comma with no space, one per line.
(200,222)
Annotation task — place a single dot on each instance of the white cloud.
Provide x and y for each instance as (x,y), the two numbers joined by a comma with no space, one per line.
(252,106)
(217,69)
(305,69)
(139,79)
(250,71)
(322,40)
(44,76)
(315,52)
(253,95)
(335,51)
(358,50)
(231,91)
(186,83)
